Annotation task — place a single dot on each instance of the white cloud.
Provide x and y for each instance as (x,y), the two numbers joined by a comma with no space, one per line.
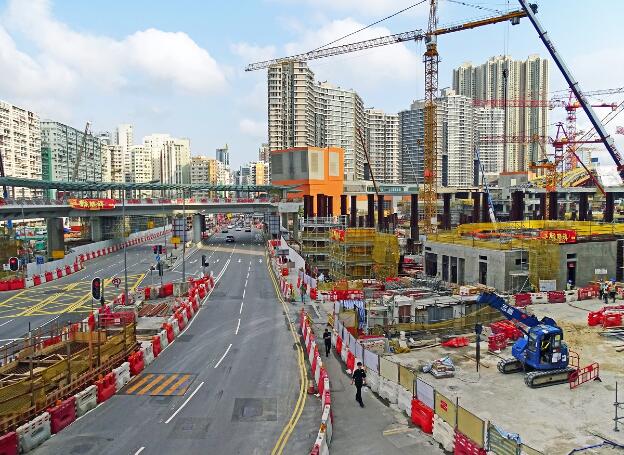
(395,62)
(363,7)
(253,53)
(66,60)
(253,127)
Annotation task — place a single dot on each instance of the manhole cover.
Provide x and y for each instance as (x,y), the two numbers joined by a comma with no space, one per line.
(191,428)
(254,410)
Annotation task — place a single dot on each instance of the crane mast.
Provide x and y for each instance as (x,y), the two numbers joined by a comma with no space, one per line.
(80,152)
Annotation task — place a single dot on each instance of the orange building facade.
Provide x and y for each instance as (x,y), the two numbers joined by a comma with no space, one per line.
(314,170)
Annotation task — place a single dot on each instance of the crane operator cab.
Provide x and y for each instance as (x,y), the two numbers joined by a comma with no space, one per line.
(546,348)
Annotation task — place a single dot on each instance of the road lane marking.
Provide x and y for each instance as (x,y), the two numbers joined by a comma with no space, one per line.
(7,322)
(185,402)
(223,356)
(180,381)
(244,292)
(139,383)
(237,326)
(146,389)
(139,451)
(164,384)
(240,311)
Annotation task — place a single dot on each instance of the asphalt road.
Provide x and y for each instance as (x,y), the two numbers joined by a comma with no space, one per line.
(238,365)
(69,299)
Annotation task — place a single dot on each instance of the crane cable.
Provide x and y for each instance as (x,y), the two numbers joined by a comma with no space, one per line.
(370,25)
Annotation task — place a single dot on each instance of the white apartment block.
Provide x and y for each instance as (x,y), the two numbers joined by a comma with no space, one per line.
(303,113)
(527,82)
(20,145)
(171,158)
(382,136)
(62,146)
(141,168)
(264,153)
(124,137)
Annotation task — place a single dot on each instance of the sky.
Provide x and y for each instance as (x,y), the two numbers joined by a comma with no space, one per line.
(177,67)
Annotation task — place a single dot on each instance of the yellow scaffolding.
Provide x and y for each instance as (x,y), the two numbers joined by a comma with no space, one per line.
(386,256)
(543,261)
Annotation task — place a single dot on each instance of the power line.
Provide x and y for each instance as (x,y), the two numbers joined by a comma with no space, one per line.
(370,25)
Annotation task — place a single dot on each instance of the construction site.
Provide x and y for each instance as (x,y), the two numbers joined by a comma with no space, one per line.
(497,307)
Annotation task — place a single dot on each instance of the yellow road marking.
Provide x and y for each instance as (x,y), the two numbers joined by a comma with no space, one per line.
(145,389)
(162,386)
(139,383)
(290,426)
(173,388)
(42,304)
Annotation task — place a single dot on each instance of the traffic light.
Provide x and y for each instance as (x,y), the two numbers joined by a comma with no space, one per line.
(159,249)
(155,249)
(96,288)
(13,264)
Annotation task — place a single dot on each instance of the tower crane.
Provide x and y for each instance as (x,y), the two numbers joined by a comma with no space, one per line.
(431,58)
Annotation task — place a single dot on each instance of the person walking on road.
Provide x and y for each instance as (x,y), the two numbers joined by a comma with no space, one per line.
(359,379)
(327,339)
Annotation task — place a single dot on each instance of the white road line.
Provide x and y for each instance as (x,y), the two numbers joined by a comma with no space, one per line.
(221,359)
(237,326)
(246,281)
(244,292)
(186,401)
(51,320)
(240,311)
(139,451)
(7,322)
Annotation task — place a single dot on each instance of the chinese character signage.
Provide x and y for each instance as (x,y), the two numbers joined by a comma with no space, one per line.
(558,235)
(92,204)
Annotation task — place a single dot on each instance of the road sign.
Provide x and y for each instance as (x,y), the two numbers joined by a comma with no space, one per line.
(175,240)
(116,282)
(40,260)
(13,264)
(158,258)
(6,267)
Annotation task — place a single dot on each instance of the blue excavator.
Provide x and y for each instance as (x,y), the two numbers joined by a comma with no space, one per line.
(541,353)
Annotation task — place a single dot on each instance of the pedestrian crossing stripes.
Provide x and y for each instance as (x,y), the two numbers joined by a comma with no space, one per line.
(159,384)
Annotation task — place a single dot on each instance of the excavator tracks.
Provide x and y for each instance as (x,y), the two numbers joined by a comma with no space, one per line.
(537,379)
(507,366)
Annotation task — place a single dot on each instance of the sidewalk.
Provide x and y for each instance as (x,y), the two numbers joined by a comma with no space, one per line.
(374,429)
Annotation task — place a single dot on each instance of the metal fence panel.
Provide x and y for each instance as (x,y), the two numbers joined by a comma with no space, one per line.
(359,352)
(389,370)
(499,444)
(352,343)
(471,425)
(445,408)
(406,377)
(425,393)
(371,360)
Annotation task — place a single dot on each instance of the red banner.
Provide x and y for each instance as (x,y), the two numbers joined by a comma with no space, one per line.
(92,204)
(559,235)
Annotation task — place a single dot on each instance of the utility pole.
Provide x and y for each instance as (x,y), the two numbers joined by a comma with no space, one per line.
(183,236)
(123,222)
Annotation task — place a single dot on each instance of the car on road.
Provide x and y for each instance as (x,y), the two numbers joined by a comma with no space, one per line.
(239,228)
(224,231)
(230,239)
(247,229)
(230,226)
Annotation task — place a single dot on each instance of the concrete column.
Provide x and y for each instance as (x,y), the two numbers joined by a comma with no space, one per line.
(330,206)
(343,204)
(609,208)
(370,220)
(553,206)
(310,206)
(361,220)
(380,213)
(583,206)
(543,214)
(353,211)
(320,199)
(285,220)
(306,208)
(446,217)
(197,227)
(414,218)
(96,229)
(295,217)
(56,237)
(476,206)
(517,206)
(485,213)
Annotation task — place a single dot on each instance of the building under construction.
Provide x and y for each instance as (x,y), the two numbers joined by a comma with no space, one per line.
(514,256)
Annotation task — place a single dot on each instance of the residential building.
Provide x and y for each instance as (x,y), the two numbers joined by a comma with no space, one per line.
(171,158)
(204,170)
(124,138)
(141,167)
(382,137)
(525,84)
(223,155)
(264,153)
(20,145)
(224,176)
(304,113)
(460,124)
(62,146)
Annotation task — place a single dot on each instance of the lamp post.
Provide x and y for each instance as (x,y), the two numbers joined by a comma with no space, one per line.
(123,221)
(183,236)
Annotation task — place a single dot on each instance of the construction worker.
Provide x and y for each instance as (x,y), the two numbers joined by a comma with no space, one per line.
(607,289)
(602,289)
(612,291)
(327,340)
(359,379)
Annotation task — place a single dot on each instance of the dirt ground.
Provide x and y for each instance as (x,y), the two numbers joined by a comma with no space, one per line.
(553,419)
